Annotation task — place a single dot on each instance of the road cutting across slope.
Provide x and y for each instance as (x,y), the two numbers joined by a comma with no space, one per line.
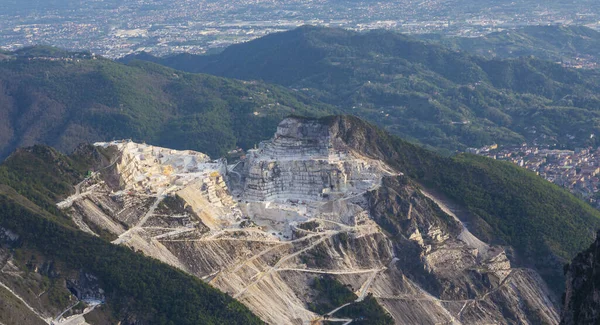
(7,288)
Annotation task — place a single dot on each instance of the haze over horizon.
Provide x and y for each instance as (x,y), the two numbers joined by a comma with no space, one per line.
(116,28)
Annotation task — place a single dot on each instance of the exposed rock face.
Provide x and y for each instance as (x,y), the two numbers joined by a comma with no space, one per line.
(582,296)
(305,204)
(302,162)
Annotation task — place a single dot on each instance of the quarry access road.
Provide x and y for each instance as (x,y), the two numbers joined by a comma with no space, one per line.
(326,235)
(77,319)
(432,298)
(68,202)
(365,287)
(125,236)
(56,320)
(330,271)
(337,309)
(363,293)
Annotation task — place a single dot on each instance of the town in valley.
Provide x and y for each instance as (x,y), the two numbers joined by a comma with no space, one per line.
(576,170)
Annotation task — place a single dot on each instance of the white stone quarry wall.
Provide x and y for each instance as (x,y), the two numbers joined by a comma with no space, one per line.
(307,179)
(293,140)
(149,168)
(301,162)
(210,200)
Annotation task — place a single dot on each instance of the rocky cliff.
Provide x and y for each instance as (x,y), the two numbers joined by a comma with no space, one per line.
(582,296)
(310,204)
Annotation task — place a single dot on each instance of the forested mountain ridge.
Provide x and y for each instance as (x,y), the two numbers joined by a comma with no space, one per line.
(420,91)
(62,99)
(576,46)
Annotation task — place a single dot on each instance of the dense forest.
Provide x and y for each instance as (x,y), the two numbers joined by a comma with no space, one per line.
(62,99)
(558,43)
(423,92)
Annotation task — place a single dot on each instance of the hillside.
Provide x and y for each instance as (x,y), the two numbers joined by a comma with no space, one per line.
(500,202)
(48,265)
(62,99)
(420,91)
(326,205)
(571,45)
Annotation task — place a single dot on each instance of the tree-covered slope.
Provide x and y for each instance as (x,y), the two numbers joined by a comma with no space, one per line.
(139,290)
(436,95)
(576,45)
(63,99)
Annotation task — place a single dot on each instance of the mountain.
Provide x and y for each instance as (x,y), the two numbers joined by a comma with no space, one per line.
(62,99)
(420,91)
(571,45)
(50,270)
(332,219)
(580,304)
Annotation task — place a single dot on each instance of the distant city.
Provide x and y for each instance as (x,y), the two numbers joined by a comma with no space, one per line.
(115,28)
(576,170)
